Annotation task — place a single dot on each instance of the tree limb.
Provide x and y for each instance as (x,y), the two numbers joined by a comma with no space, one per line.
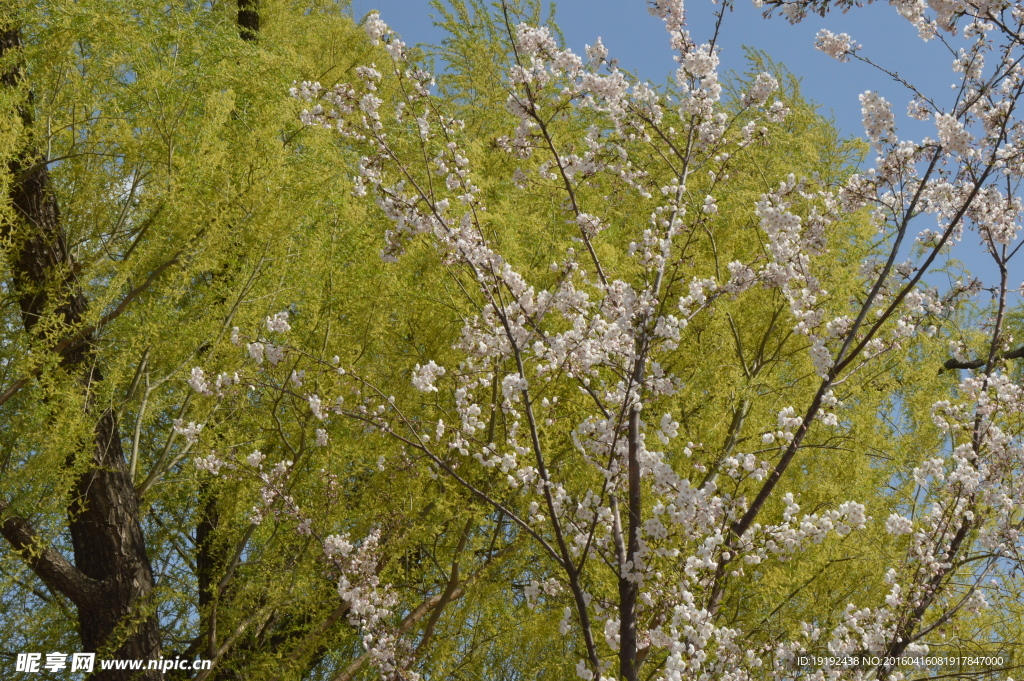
(978,363)
(49,564)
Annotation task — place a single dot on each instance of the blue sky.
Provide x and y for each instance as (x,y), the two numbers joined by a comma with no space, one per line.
(640,43)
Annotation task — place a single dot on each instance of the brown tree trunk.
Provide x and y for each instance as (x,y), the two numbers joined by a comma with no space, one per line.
(111,580)
(628,590)
(248,19)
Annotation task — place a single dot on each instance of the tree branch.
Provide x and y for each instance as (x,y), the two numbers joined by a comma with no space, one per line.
(978,363)
(49,564)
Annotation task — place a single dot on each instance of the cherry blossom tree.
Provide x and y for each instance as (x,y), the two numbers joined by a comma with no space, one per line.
(562,404)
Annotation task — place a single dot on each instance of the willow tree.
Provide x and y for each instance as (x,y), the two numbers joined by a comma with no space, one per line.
(155,191)
(160,190)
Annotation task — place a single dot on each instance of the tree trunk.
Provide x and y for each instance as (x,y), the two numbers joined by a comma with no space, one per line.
(248,19)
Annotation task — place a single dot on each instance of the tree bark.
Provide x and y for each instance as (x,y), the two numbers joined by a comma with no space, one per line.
(111,580)
(248,19)
(628,589)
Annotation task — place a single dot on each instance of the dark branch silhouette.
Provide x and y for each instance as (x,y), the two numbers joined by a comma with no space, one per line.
(978,363)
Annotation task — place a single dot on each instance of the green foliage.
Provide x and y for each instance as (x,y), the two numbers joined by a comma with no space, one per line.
(195,202)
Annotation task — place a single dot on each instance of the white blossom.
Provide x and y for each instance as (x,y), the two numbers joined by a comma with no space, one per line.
(210,463)
(190,431)
(879,121)
(278,323)
(897,525)
(374,27)
(837,46)
(423,377)
(197,379)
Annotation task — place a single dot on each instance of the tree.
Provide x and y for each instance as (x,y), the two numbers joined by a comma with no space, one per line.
(646,384)
(179,189)
(144,153)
